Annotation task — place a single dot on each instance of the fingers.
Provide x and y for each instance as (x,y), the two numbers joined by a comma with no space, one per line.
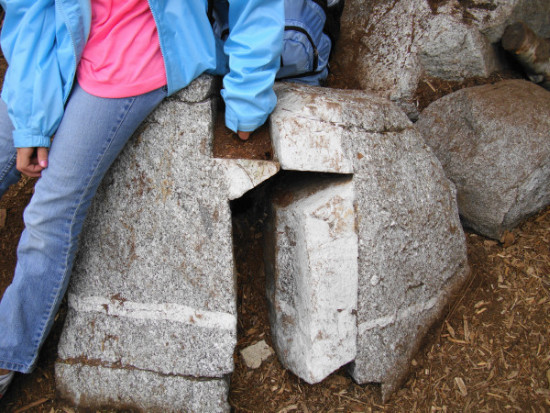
(243,135)
(31,161)
(42,156)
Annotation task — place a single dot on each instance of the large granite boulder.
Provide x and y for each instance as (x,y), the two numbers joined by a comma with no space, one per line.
(388,47)
(494,144)
(410,246)
(152,301)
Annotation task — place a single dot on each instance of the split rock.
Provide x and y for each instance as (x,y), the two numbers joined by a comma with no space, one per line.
(102,388)
(411,248)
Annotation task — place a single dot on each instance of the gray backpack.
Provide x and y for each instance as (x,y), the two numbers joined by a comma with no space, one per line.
(311,30)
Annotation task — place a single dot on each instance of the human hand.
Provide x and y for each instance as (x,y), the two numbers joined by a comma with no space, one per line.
(243,135)
(32,161)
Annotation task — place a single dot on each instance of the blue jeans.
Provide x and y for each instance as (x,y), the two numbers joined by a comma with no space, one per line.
(91,135)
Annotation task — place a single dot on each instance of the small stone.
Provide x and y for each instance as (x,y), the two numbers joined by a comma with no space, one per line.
(256,354)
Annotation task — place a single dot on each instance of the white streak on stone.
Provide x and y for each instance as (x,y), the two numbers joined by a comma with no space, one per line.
(150,311)
(411,311)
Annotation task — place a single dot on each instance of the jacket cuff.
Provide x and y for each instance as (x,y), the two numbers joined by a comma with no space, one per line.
(245,125)
(25,138)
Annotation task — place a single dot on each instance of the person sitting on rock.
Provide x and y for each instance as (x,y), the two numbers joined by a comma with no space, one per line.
(90,71)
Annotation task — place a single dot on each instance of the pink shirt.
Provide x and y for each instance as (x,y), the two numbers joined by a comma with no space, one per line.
(122,57)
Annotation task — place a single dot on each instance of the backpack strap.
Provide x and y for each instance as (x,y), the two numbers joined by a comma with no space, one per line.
(315,63)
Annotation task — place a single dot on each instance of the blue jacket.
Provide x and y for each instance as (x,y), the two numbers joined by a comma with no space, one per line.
(43,40)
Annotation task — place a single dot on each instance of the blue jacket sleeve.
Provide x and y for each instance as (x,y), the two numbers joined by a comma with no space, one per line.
(253,48)
(33,86)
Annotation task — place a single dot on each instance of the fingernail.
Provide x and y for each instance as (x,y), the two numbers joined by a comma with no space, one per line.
(43,164)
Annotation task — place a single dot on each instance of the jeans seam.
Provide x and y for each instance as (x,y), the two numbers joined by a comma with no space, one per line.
(55,297)
(8,167)
(10,365)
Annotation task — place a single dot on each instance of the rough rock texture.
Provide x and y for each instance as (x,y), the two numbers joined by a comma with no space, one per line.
(388,46)
(411,248)
(451,50)
(494,16)
(494,144)
(378,47)
(137,390)
(153,287)
(311,274)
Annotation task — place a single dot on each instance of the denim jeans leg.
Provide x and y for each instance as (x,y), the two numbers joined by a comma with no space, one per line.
(8,174)
(91,135)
